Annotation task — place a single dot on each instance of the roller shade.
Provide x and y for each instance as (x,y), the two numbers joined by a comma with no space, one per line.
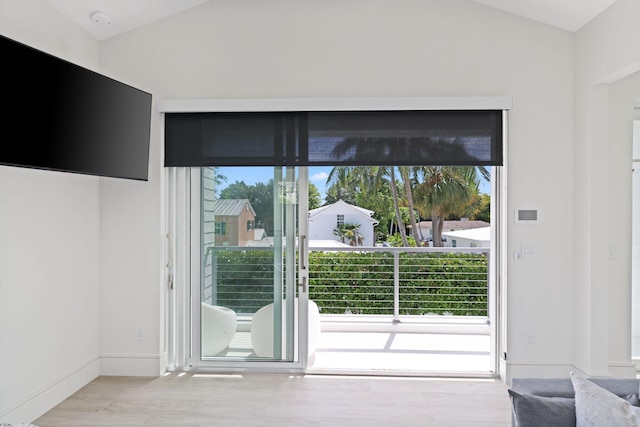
(334,138)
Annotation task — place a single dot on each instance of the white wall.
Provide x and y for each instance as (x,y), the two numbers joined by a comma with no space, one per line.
(49,250)
(288,48)
(132,338)
(635,241)
(133,241)
(133,246)
(606,52)
(623,95)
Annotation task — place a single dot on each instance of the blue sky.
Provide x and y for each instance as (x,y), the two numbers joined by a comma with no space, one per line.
(317,175)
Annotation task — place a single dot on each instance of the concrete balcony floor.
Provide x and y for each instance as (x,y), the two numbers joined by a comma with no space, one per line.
(403,352)
(416,346)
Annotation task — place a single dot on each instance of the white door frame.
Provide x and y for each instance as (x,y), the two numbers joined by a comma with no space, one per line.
(498,307)
(183,305)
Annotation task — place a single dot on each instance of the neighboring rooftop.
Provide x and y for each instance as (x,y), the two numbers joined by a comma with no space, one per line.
(231,207)
(454,225)
(340,203)
(482,234)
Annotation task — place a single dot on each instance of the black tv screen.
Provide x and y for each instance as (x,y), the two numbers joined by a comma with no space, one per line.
(59,116)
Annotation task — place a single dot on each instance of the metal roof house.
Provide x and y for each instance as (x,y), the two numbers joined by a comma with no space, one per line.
(232,222)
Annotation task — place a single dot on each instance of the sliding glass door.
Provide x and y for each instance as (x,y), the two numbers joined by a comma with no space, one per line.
(246,306)
(248,280)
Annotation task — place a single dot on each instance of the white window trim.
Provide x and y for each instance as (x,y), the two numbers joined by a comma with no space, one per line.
(334,104)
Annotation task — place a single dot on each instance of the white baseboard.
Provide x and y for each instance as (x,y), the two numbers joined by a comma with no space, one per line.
(623,370)
(46,397)
(559,370)
(136,365)
(541,370)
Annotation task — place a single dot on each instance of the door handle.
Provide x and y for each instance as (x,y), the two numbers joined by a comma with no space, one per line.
(303,252)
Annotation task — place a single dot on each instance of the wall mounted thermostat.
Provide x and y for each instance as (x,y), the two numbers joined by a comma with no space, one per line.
(526,216)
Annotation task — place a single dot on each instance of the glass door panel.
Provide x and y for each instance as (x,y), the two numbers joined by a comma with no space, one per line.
(248,265)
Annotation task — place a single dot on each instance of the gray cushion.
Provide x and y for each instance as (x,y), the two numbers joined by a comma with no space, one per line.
(531,410)
(540,411)
(562,387)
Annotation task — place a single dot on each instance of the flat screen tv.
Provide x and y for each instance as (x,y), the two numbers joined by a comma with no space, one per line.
(59,116)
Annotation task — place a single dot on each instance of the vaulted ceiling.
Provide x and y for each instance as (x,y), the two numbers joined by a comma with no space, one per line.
(125,15)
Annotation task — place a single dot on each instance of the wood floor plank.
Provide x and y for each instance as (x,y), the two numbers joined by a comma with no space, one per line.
(191,400)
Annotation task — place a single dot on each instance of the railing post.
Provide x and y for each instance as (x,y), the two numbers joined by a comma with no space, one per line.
(396,287)
(487,308)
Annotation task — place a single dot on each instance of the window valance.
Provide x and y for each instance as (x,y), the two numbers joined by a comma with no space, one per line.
(334,138)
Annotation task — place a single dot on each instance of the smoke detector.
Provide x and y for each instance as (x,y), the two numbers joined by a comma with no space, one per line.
(101,18)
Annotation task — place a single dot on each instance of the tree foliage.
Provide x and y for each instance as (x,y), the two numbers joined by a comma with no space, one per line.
(349,233)
(315,200)
(399,196)
(260,195)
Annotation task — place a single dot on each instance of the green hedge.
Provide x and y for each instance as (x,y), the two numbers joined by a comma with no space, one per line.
(244,278)
(360,283)
(430,283)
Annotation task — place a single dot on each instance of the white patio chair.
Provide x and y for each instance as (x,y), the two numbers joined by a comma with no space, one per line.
(262,329)
(218,328)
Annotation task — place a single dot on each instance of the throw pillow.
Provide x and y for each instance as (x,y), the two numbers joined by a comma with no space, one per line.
(538,411)
(633,399)
(598,407)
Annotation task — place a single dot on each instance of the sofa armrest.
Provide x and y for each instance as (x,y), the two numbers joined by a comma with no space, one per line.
(562,387)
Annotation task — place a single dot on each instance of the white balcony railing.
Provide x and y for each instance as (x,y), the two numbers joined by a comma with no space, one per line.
(387,282)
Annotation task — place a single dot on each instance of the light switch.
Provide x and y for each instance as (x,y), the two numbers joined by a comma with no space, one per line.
(528,250)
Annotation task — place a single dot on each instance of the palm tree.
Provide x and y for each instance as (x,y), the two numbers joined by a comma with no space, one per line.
(340,232)
(373,177)
(404,173)
(349,232)
(394,192)
(342,184)
(443,189)
(477,206)
(381,147)
(370,179)
(352,233)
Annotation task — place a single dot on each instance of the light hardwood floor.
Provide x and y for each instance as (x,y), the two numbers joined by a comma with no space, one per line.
(191,399)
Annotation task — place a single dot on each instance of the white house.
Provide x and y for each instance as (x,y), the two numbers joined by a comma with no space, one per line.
(260,238)
(323,220)
(470,238)
(426,232)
